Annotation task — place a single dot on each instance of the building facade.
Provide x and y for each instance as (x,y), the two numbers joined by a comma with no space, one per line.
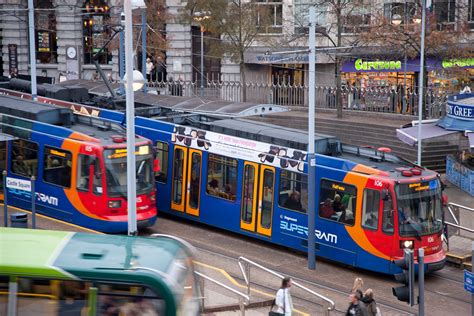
(69,34)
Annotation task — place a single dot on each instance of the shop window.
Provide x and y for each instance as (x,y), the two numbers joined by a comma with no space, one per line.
(162,156)
(470,14)
(96,31)
(293,192)
(57,166)
(445,13)
(222,176)
(404,11)
(24,158)
(338,202)
(269,15)
(45,32)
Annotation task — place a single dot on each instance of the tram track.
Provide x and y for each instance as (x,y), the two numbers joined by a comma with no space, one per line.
(385,306)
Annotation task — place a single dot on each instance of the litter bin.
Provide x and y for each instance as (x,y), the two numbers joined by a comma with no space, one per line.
(19,220)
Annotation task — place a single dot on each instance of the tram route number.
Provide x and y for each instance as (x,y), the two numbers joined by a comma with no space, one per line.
(469,281)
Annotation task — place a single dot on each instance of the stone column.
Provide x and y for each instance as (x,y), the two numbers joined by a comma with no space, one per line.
(14,25)
(178,54)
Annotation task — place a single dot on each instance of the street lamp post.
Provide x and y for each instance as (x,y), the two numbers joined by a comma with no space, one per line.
(421,78)
(31,34)
(131,85)
(200,16)
(144,29)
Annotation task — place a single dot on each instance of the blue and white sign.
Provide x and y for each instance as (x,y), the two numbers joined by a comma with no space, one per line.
(460,111)
(469,281)
(19,184)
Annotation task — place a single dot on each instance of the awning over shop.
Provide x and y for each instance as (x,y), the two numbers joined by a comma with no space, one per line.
(409,135)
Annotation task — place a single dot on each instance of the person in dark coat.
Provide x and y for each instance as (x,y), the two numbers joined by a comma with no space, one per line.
(370,305)
(294,201)
(355,307)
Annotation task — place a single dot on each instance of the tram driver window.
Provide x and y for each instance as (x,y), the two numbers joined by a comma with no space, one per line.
(293,192)
(162,156)
(24,158)
(337,202)
(222,177)
(371,207)
(83,169)
(57,166)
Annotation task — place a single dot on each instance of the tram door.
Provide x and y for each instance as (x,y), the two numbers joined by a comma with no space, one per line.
(258,189)
(3,164)
(186,182)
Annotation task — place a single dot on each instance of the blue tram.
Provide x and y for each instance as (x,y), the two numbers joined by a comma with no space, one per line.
(78,164)
(224,173)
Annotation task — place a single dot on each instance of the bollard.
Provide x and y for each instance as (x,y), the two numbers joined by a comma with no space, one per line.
(33,203)
(19,220)
(5,205)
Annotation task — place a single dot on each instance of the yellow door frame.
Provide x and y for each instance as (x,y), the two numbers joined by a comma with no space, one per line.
(244,225)
(260,229)
(189,209)
(179,206)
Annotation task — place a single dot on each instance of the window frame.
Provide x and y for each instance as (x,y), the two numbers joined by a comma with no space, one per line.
(273,27)
(79,169)
(49,11)
(236,177)
(93,36)
(364,205)
(44,162)
(301,182)
(37,158)
(165,153)
(345,185)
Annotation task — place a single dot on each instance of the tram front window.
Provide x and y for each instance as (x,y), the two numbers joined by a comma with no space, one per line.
(419,208)
(116,171)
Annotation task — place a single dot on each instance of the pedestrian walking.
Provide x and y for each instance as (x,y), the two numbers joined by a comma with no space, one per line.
(370,304)
(149,68)
(355,308)
(358,286)
(283,299)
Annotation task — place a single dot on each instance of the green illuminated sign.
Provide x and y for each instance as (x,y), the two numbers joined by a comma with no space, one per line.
(463,62)
(377,65)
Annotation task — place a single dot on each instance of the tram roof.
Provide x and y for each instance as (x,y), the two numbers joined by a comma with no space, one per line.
(274,134)
(180,104)
(60,117)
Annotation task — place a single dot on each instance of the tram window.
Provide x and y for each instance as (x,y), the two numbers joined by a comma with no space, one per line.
(222,176)
(248,194)
(126,299)
(162,157)
(293,191)
(387,216)
(83,176)
(24,158)
(97,178)
(338,201)
(370,215)
(57,166)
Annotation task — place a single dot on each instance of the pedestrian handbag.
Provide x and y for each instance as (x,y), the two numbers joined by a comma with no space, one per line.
(272,313)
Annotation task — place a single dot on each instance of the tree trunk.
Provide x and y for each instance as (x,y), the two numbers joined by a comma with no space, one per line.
(242,80)
(338,62)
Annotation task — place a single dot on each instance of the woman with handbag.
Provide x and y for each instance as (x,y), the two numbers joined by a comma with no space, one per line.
(283,299)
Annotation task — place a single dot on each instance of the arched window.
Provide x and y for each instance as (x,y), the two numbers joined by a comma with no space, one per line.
(45,32)
(96,31)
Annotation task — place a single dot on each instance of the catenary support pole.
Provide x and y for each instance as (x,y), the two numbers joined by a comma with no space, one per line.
(130,109)
(421,282)
(202,62)
(31,35)
(472,269)
(421,78)
(122,59)
(144,29)
(311,155)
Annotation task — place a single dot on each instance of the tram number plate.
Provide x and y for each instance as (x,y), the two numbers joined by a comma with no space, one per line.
(469,281)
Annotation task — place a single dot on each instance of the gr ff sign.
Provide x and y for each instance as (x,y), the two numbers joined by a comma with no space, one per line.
(469,281)
(19,184)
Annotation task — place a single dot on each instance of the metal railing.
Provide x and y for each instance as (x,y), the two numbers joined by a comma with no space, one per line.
(246,273)
(372,99)
(456,223)
(243,299)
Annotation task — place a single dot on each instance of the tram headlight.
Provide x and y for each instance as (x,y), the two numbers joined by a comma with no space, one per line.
(406,244)
(115,204)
